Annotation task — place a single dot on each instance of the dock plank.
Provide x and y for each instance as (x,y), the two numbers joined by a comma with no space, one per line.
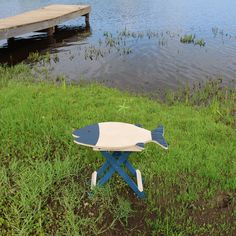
(40,19)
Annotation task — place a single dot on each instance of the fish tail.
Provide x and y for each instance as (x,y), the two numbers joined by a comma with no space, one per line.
(158,137)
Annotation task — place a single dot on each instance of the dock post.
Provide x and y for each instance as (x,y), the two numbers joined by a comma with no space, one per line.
(87,20)
(10,41)
(51,31)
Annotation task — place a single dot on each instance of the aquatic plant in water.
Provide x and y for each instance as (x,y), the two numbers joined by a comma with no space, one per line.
(187,38)
(200,42)
(37,57)
(192,39)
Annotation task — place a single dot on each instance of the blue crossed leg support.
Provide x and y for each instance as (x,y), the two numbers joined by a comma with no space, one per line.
(114,163)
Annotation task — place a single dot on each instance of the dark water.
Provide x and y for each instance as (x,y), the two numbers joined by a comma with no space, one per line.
(149,55)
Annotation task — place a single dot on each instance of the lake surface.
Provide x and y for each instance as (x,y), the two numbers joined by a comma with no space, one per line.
(135,44)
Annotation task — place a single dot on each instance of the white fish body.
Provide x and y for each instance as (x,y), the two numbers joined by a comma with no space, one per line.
(118,136)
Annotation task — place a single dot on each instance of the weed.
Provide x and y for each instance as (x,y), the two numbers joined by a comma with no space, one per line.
(200,42)
(187,38)
(37,57)
(55,58)
(122,210)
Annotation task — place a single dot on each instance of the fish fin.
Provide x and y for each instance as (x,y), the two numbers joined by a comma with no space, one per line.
(140,145)
(139,125)
(157,137)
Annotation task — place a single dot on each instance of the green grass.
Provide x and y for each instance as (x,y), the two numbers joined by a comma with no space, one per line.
(45,177)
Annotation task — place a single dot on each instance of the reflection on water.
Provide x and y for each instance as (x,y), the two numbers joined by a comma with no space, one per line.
(19,49)
(147,58)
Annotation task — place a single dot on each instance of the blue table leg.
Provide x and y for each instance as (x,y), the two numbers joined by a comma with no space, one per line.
(109,174)
(114,161)
(103,168)
(126,178)
(130,168)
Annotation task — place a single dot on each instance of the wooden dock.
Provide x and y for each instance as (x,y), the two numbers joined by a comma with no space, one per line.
(44,18)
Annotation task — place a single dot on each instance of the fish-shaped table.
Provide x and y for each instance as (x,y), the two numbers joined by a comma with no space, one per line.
(116,140)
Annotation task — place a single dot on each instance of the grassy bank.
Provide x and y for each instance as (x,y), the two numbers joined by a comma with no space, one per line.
(45,177)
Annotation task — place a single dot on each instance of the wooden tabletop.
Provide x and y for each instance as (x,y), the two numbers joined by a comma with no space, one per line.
(113,136)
